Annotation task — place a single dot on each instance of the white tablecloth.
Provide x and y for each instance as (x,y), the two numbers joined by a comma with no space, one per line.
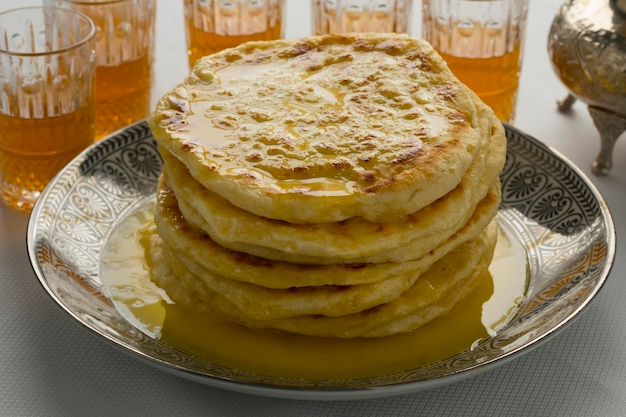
(50,366)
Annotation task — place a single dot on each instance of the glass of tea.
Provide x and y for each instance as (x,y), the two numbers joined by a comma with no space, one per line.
(342,16)
(124,56)
(213,25)
(47,58)
(482,42)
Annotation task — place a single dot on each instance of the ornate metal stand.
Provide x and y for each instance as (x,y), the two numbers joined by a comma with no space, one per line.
(587,45)
(609,124)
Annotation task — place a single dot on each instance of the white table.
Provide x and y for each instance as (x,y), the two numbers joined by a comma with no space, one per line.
(50,366)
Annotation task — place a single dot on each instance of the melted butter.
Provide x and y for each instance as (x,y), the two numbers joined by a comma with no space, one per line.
(478,316)
(309,186)
(237,76)
(283,112)
(317,186)
(434,121)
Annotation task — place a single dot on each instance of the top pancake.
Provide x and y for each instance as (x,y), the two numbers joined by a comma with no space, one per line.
(322,129)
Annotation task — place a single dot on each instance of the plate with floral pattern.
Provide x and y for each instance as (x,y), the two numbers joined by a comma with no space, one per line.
(548,204)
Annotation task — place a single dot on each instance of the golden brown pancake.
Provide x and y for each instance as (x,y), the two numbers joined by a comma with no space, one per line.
(435,292)
(350,241)
(280,289)
(323,129)
(334,186)
(185,240)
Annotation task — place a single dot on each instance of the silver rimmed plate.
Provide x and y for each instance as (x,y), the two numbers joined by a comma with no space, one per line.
(548,205)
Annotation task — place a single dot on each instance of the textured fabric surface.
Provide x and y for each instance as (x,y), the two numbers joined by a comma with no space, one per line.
(50,366)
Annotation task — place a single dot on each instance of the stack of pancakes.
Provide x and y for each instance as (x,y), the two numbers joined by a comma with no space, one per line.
(338,186)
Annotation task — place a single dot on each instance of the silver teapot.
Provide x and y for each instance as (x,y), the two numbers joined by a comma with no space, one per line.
(587,46)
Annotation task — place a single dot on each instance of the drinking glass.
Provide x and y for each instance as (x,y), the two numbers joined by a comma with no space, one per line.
(213,25)
(342,16)
(482,42)
(124,57)
(46,97)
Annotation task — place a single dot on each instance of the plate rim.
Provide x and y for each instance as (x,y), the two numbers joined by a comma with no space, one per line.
(319,393)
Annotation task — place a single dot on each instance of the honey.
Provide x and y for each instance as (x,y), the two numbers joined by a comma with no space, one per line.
(127,281)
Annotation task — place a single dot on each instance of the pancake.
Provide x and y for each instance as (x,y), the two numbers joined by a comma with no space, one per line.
(284,289)
(345,241)
(436,291)
(186,241)
(261,303)
(410,250)
(323,129)
(334,186)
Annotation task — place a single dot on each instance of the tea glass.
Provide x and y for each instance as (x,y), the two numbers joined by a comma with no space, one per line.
(483,44)
(342,16)
(47,58)
(213,25)
(124,57)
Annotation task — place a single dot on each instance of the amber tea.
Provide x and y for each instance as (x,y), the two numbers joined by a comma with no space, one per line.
(499,93)
(36,149)
(122,94)
(124,55)
(215,25)
(482,42)
(47,109)
(343,16)
(205,43)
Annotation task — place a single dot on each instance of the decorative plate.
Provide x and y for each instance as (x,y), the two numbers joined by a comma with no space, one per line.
(548,204)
